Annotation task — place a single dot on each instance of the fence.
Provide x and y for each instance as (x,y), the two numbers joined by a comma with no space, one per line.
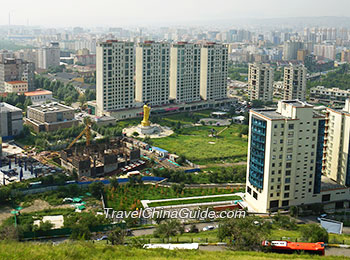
(34,190)
(65,232)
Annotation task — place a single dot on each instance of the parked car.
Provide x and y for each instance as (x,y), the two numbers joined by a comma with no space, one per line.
(208,228)
(102,238)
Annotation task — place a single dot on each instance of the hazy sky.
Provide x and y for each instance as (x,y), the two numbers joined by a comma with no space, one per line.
(146,12)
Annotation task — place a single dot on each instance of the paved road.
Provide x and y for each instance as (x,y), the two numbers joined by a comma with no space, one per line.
(150,231)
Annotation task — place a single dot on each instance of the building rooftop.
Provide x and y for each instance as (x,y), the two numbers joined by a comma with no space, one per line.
(51,107)
(296,103)
(4,107)
(16,82)
(38,92)
(269,113)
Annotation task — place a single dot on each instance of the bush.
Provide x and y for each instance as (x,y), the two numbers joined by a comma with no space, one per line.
(314,233)
(244,233)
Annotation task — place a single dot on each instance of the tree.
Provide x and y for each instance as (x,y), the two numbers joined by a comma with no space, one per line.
(284,222)
(80,231)
(245,234)
(314,233)
(9,233)
(169,228)
(96,189)
(117,236)
(44,226)
(114,183)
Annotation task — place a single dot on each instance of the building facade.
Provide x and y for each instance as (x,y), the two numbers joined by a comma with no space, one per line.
(49,56)
(19,87)
(11,120)
(39,96)
(260,82)
(336,160)
(114,75)
(332,95)
(214,63)
(152,73)
(50,117)
(282,156)
(290,50)
(294,82)
(185,72)
(16,70)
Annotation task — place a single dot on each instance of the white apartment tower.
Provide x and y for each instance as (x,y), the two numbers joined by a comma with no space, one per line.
(294,82)
(336,164)
(213,83)
(114,75)
(185,72)
(152,73)
(49,56)
(260,82)
(284,156)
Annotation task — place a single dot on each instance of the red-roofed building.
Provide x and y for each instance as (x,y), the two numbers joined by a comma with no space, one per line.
(17,86)
(39,96)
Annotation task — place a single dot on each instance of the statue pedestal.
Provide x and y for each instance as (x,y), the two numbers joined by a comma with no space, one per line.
(148,130)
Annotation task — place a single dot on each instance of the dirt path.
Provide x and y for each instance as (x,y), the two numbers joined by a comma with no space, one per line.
(38,205)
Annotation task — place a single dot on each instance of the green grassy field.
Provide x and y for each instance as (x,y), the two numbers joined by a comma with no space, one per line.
(127,198)
(89,250)
(198,147)
(192,201)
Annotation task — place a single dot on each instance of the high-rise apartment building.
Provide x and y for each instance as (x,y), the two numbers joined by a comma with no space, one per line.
(114,75)
(284,156)
(213,83)
(49,56)
(336,164)
(294,82)
(290,49)
(152,73)
(260,82)
(185,72)
(16,70)
(325,50)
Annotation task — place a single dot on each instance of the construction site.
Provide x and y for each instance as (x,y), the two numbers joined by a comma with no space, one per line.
(98,159)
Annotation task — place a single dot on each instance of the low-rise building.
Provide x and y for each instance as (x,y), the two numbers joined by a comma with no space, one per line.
(39,96)
(16,86)
(334,95)
(11,120)
(50,117)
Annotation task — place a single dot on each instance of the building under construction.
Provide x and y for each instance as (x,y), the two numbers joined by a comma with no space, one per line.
(99,159)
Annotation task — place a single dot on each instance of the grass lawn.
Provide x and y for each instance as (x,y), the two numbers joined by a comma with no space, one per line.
(192,201)
(89,250)
(129,198)
(194,144)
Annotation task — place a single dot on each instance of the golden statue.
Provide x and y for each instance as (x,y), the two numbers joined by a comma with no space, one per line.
(146,112)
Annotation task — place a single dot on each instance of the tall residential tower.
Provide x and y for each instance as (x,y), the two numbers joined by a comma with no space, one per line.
(294,82)
(260,82)
(114,75)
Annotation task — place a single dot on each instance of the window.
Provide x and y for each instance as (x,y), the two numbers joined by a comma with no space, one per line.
(286,187)
(288,173)
(288,165)
(286,195)
(249,190)
(291,127)
(255,195)
(285,203)
(287,180)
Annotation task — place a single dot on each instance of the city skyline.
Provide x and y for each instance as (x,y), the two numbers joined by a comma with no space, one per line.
(155,12)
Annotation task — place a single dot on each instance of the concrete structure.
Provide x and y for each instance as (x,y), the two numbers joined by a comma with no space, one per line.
(336,164)
(331,95)
(49,56)
(152,73)
(345,56)
(325,50)
(100,159)
(294,82)
(114,76)
(84,57)
(50,117)
(16,70)
(290,50)
(282,156)
(260,82)
(185,72)
(39,96)
(11,120)
(214,63)
(18,86)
